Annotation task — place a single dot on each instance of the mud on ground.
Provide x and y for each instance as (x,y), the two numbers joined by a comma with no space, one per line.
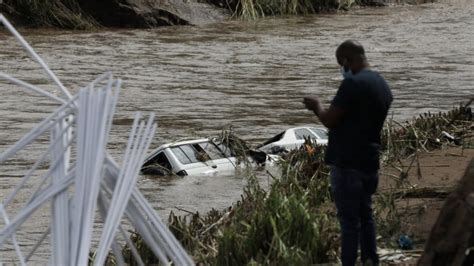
(437,175)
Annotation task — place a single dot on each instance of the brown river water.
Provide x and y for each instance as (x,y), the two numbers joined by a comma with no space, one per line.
(251,75)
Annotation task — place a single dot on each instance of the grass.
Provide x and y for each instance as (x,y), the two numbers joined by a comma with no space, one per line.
(284,224)
(294,221)
(68,13)
(50,13)
(254,9)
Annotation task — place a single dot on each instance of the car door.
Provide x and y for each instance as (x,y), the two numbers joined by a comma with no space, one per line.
(187,159)
(202,159)
(221,159)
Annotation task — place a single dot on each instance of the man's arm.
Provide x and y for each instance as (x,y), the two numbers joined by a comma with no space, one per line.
(329,117)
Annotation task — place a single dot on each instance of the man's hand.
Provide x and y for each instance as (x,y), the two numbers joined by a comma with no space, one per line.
(312,103)
(330,118)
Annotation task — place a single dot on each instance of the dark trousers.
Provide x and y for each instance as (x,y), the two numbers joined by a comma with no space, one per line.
(352,191)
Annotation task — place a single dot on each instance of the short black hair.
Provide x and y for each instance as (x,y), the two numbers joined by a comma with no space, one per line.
(350,49)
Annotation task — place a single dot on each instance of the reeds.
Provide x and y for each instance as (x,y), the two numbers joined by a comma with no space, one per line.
(68,13)
(347,4)
(253,9)
(50,13)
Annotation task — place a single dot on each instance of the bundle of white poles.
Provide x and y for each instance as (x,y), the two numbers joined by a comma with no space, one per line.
(78,159)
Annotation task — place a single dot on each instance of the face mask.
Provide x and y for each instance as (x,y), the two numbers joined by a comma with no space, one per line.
(346,74)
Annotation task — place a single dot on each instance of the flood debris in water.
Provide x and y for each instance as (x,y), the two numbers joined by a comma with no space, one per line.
(222,155)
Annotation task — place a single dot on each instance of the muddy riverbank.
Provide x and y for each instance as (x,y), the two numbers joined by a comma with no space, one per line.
(88,14)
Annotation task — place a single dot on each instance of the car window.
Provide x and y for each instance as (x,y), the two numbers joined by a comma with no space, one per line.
(162,160)
(273,139)
(321,133)
(198,152)
(303,133)
(226,150)
(185,154)
(211,150)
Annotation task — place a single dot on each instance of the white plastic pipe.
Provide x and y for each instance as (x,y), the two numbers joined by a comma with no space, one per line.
(32,87)
(35,56)
(15,243)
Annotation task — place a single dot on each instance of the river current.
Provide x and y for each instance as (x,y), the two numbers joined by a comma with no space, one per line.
(248,75)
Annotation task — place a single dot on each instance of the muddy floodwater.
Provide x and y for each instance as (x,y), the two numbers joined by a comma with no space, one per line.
(250,75)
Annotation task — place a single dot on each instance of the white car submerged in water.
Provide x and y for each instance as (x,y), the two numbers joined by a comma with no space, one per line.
(293,138)
(197,157)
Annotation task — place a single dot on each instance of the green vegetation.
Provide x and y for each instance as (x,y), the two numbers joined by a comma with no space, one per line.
(290,223)
(50,13)
(69,14)
(253,9)
(294,221)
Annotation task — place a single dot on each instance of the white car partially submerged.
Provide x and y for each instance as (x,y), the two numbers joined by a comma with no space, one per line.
(294,138)
(195,157)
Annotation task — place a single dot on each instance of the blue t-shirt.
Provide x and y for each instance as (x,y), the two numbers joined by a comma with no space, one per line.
(355,141)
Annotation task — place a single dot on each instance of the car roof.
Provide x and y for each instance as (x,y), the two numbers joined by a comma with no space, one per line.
(184,142)
(308,126)
(287,131)
(305,127)
(178,143)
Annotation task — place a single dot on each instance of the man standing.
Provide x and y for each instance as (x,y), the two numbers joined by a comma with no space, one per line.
(355,120)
